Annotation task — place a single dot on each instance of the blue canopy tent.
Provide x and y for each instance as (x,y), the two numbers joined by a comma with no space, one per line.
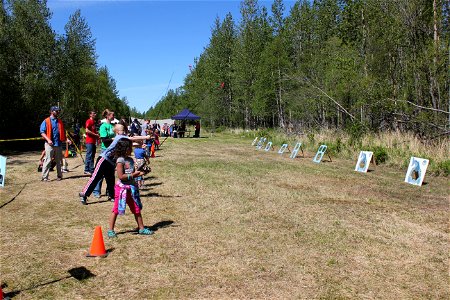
(185,114)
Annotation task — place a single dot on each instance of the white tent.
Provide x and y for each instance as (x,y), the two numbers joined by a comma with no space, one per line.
(115,121)
(162,122)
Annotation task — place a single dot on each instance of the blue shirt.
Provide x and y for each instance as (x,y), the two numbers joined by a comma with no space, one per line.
(108,154)
(139,153)
(55,131)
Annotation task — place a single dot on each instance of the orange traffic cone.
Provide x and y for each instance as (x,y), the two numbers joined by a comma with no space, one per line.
(98,245)
(152,150)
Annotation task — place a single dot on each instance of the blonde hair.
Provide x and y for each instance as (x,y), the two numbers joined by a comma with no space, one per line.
(119,127)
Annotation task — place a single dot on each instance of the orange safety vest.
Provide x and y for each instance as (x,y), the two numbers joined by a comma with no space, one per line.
(62,132)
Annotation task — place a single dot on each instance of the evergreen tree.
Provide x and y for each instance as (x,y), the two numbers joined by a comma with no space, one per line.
(26,60)
(78,67)
(346,64)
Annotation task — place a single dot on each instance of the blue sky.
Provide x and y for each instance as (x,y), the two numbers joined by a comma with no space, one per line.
(144,43)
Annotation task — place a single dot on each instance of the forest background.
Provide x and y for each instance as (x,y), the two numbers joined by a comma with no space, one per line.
(354,65)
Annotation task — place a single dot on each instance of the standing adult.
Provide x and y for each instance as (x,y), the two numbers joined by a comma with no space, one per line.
(145,126)
(136,127)
(182,129)
(197,129)
(76,134)
(106,165)
(91,143)
(164,130)
(175,130)
(52,130)
(107,134)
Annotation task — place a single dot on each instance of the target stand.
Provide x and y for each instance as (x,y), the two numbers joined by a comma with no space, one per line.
(297,148)
(364,160)
(283,148)
(269,147)
(320,153)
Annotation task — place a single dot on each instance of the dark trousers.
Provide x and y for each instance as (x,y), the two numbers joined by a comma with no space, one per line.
(103,169)
(90,156)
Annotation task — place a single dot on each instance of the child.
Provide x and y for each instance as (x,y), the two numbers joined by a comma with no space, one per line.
(41,162)
(125,190)
(156,137)
(142,161)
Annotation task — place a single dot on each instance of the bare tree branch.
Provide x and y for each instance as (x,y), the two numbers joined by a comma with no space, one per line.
(439,135)
(419,106)
(305,79)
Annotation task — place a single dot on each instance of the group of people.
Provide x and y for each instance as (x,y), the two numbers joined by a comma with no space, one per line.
(178,131)
(174,130)
(115,159)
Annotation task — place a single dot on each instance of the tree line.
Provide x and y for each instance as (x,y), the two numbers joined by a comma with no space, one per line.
(39,68)
(346,64)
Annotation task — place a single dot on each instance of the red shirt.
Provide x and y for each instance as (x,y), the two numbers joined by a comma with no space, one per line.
(91,139)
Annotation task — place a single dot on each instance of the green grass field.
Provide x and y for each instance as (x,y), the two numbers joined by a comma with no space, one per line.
(232,222)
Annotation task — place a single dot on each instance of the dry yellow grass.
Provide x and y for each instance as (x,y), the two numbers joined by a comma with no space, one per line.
(398,147)
(236,223)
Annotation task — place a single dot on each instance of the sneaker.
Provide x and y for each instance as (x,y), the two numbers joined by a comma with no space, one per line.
(83,198)
(59,178)
(45,179)
(87,173)
(111,199)
(145,231)
(112,234)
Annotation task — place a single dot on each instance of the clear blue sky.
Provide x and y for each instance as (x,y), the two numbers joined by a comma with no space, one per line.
(142,43)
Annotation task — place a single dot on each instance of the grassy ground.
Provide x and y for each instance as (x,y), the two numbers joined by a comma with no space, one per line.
(232,222)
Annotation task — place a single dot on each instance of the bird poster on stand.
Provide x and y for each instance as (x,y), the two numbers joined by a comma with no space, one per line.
(416,170)
(364,159)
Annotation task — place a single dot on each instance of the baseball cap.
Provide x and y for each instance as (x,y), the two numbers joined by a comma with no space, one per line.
(55,108)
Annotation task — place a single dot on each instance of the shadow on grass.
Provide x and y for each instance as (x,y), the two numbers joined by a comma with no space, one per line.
(97,202)
(77,166)
(155,227)
(18,162)
(4,204)
(148,185)
(108,251)
(157,195)
(162,224)
(75,176)
(79,273)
